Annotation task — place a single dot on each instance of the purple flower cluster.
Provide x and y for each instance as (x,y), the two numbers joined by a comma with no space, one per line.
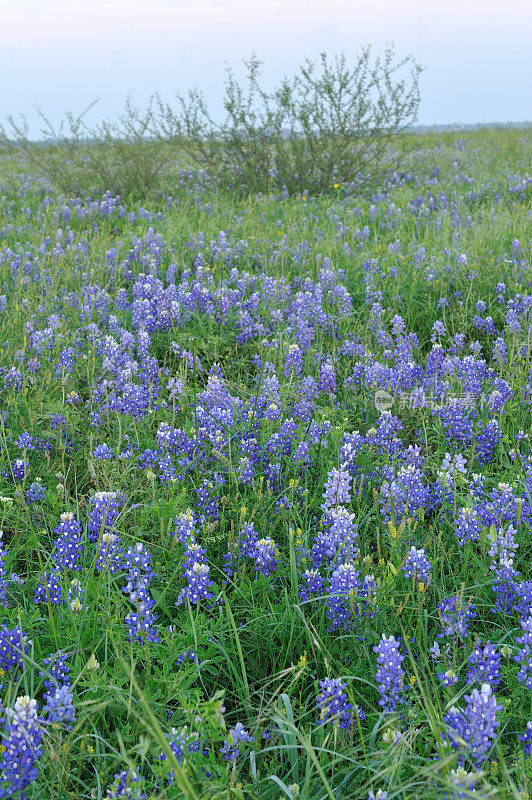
(455,614)
(333,705)
(473,731)
(337,489)
(126,372)
(237,735)
(22,747)
(104,509)
(390,675)
(417,566)
(197,573)
(484,665)
(13,646)
(127,785)
(524,654)
(68,542)
(136,565)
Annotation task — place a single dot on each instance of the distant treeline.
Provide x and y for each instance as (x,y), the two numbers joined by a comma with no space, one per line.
(471,126)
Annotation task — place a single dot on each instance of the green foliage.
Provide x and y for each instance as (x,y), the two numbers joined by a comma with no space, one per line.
(126,156)
(330,123)
(261,651)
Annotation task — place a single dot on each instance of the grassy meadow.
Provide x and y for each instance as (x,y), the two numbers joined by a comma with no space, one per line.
(266,485)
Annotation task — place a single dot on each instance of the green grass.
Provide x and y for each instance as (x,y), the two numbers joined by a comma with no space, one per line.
(262,650)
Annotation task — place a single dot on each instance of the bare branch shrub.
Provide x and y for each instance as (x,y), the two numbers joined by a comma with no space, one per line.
(330,123)
(126,157)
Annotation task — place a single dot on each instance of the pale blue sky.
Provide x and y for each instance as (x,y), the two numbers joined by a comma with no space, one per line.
(62,54)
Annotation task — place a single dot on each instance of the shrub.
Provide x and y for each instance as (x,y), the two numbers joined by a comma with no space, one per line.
(126,157)
(330,123)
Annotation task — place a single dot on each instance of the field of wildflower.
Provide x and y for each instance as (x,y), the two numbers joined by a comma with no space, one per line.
(266,485)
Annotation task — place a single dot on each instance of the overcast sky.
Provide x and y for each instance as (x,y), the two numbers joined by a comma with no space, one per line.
(62,54)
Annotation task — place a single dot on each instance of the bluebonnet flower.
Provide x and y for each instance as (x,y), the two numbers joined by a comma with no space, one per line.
(457,423)
(390,675)
(49,589)
(265,554)
(148,458)
(66,362)
(104,508)
(417,565)
(337,540)
(474,730)
(500,351)
(72,398)
(13,646)
(457,344)
(342,595)
(448,678)
(58,671)
(500,291)
(244,546)
(137,564)
(333,705)
(4,582)
(438,329)
(196,571)
(327,377)
(523,599)
(176,386)
(294,360)
(68,544)
(25,441)
(102,452)
(19,470)
(526,738)
(311,584)
(13,379)
(454,464)
(127,785)
(136,561)
(455,614)
(183,744)
(22,747)
(403,494)
(484,665)
(59,707)
(185,526)
(337,488)
(245,472)
(167,473)
(496,400)
(503,506)
(109,554)
(524,655)
(398,324)
(505,585)
(194,553)
(486,440)
(468,525)
(190,655)
(35,493)
(484,324)
(435,652)
(230,749)
(462,783)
